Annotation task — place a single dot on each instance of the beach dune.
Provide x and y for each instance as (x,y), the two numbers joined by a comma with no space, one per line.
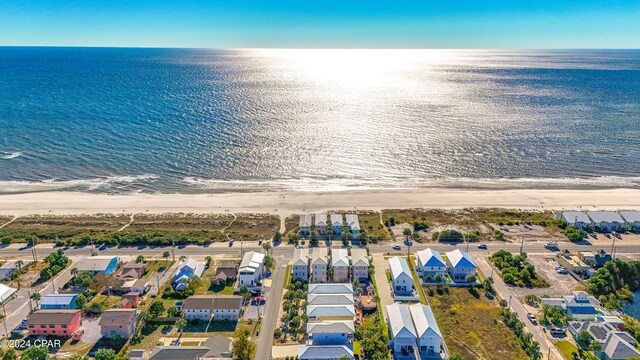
(288,203)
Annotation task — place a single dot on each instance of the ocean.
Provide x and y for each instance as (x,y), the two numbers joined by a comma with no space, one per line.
(125,120)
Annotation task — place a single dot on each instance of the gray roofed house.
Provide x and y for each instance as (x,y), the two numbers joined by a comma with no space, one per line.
(606,220)
(319,264)
(133,270)
(360,263)
(401,279)
(577,219)
(321,223)
(615,344)
(178,352)
(304,224)
(324,352)
(105,265)
(414,327)
(346,288)
(300,264)
(353,224)
(59,301)
(330,312)
(632,218)
(331,332)
(340,262)
(9,267)
(330,299)
(336,223)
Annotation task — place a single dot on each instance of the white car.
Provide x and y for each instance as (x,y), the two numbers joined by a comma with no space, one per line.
(396,247)
(532,318)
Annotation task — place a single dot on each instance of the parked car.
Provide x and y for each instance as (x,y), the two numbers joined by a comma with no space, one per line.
(608,236)
(258,300)
(482,246)
(230,243)
(593,235)
(562,270)
(18,333)
(23,324)
(550,245)
(558,330)
(532,318)
(396,247)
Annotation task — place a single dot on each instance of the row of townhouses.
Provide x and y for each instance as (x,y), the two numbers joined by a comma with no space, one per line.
(314,264)
(605,221)
(335,221)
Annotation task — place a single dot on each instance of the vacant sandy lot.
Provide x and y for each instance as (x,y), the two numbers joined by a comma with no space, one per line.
(560,284)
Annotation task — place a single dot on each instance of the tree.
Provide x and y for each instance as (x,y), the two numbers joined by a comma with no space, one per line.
(208,260)
(35,296)
(242,347)
(74,271)
(268,262)
(456,356)
(173,311)
(266,246)
(407,233)
(81,301)
(329,232)
(35,353)
(244,291)
(10,354)
(106,354)
(314,238)
(156,309)
(166,254)
(181,324)
(595,346)
(584,336)
(19,264)
(277,237)
(140,259)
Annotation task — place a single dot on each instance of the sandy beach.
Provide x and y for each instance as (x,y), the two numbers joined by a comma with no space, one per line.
(287,203)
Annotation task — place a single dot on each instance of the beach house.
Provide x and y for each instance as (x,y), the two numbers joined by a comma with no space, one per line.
(615,344)
(580,306)
(414,330)
(300,264)
(118,322)
(198,307)
(401,278)
(330,289)
(227,307)
(431,264)
(460,265)
(9,267)
(104,265)
(606,221)
(331,332)
(319,265)
(330,312)
(353,224)
(632,219)
(304,224)
(336,224)
(187,269)
(226,272)
(321,223)
(330,299)
(360,264)
(133,270)
(324,352)
(576,219)
(340,263)
(6,293)
(251,269)
(58,301)
(54,322)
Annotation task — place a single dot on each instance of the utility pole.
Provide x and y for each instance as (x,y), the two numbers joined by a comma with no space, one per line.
(613,248)
(173,250)
(522,246)
(510,294)
(30,304)
(4,322)
(53,284)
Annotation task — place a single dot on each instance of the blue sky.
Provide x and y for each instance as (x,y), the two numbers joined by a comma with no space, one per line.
(322,24)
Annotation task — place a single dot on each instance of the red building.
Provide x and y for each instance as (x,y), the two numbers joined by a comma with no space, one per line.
(54,322)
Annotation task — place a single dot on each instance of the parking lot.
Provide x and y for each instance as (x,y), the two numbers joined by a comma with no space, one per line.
(560,284)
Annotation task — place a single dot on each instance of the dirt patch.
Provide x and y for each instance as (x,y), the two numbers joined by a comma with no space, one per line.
(560,284)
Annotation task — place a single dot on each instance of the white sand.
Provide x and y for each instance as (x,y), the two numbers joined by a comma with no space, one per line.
(287,203)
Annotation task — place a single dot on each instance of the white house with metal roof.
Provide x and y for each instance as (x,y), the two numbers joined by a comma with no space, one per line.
(58,302)
(305,224)
(430,263)
(353,224)
(401,279)
(331,332)
(300,264)
(460,265)
(414,328)
(606,221)
(336,224)
(340,262)
(330,289)
(360,264)
(251,269)
(330,312)
(321,223)
(632,219)
(319,264)
(576,219)
(330,299)
(324,352)
(6,293)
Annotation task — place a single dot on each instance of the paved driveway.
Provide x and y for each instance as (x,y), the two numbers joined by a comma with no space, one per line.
(274,295)
(384,289)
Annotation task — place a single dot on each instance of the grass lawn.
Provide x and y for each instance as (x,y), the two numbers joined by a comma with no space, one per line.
(566,348)
(107,302)
(156,265)
(152,332)
(356,348)
(287,277)
(416,282)
(473,326)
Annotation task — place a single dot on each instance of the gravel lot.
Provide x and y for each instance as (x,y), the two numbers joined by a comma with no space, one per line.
(560,284)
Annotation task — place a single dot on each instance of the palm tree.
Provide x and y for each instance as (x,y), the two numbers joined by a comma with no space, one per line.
(19,264)
(329,232)
(266,246)
(36,297)
(166,254)
(140,259)
(181,324)
(74,272)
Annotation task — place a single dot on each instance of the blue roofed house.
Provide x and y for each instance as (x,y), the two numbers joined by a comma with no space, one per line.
(186,270)
(430,263)
(58,301)
(104,265)
(580,306)
(460,265)
(324,352)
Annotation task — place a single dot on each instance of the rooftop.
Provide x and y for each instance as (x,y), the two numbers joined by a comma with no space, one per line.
(331,327)
(346,288)
(573,216)
(330,299)
(398,267)
(251,261)
(58,299)
(339,257)
(330,310)
(352,221)
(305,220)
(321,219)
(300,256)
(336,218)
(95,263)
(198,302)
(324,352)
(428,257)
(460,258)
(631,216)
(55,317)
(605,216)
(117,317)
(227,302)
(359,257)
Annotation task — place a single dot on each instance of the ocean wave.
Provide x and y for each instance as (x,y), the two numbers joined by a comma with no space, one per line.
(8,156)
(109,183)
(346,184)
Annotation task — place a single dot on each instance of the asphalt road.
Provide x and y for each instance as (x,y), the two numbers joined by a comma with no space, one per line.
(265,340)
